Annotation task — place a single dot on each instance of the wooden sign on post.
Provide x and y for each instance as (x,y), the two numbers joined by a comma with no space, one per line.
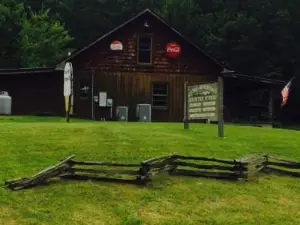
(204,101)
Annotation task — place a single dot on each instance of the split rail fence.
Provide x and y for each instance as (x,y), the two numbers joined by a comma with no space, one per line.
(174,164)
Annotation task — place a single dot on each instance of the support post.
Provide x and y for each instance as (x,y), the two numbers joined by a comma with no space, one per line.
(221,107)
(70,100)
(93,103)
(185,119)
(69,108)
(271,105)
(68,91)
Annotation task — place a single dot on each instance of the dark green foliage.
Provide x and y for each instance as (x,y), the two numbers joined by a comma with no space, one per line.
(42,40)
(258,37)
(11,17)
(29,38)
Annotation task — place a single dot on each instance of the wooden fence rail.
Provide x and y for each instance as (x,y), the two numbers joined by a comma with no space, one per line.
(40,177)
(282,166)
(195,167)
(173,164)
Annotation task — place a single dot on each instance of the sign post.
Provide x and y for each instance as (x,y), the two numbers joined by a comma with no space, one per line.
(204,101)
(221,109)
(185,119)
(68,71)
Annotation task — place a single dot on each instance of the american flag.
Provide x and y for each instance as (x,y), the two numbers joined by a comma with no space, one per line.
(285,92)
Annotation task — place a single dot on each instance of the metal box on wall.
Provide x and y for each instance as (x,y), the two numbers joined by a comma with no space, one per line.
(122,113)
(143,112)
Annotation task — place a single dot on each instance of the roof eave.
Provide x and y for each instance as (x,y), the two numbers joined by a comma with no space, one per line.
(233,74)
(99,39)
(60,65)
(27,70)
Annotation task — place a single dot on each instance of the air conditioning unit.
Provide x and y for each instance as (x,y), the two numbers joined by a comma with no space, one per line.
(143,112)
(122,113)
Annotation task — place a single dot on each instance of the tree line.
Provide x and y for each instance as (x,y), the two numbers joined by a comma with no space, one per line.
(257,37)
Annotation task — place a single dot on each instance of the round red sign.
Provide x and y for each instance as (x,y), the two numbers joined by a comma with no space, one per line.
(116,46)
(173,49)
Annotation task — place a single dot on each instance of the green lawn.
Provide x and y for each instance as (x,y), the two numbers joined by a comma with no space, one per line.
(28,145)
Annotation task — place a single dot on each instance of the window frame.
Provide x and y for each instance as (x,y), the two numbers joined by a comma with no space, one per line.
(150,49)
(165,107)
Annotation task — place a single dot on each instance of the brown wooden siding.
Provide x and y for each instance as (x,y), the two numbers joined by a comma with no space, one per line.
(132,88)
(101,57)
(34,93)
(129,83)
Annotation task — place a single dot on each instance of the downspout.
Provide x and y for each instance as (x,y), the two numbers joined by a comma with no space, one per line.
(93,104)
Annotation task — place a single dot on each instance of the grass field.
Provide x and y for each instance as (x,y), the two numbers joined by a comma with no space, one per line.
(28,145)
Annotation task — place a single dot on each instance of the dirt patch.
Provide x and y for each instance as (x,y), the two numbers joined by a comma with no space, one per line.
(7,216)
(91,215)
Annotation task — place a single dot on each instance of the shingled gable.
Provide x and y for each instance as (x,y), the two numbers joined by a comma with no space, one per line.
(147,11)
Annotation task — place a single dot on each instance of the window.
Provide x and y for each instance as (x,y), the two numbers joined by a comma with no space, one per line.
(160,95)
(144,50)
(83,90)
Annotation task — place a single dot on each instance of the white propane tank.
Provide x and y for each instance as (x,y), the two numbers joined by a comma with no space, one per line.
(5,103)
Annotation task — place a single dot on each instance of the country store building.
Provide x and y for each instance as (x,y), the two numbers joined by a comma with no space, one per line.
(144,60)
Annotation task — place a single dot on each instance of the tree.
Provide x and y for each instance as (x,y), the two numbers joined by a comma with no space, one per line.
(11,19)
(257,37)
(43,40)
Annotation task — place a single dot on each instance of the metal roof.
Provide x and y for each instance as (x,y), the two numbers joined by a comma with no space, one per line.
(35,70)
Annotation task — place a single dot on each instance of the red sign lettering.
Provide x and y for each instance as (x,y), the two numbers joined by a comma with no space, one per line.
(173,49)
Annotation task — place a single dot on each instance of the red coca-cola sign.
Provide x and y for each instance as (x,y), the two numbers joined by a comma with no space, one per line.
(173,49)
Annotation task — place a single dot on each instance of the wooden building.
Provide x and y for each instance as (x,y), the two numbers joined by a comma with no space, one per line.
(34,91)
(145,60)
(251,99)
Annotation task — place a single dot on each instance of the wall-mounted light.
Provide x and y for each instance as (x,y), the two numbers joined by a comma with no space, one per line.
(227,72)
(85,89)
(146,24)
